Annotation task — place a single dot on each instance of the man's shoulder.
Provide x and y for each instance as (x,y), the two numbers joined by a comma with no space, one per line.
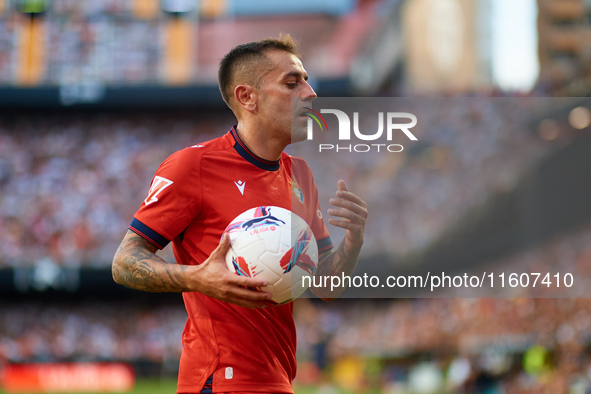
(194,153)
(295,162)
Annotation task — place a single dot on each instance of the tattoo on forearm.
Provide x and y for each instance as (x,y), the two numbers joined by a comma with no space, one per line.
(336,263)
(136,265)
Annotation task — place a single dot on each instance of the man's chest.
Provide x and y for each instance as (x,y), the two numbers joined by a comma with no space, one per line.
(227,191)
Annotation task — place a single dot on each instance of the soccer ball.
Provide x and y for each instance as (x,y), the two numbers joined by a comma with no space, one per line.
(276,245)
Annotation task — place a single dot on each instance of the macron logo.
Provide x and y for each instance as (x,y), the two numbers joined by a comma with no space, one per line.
(240,185)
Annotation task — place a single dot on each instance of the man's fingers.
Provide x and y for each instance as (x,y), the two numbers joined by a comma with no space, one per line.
(223,247)
(348,196)
(352,211)
(247,297)
(347,205)
(346,214)
(347,225)
(250,294)
(246,281)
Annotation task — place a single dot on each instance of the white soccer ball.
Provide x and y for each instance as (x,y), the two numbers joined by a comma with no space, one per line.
(276,245)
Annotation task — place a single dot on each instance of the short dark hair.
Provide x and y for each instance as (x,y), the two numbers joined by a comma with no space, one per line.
(243,59)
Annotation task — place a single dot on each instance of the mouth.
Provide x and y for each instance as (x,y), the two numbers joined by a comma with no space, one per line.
(305,112)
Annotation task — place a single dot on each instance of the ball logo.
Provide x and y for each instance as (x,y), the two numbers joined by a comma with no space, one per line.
(262,221)
(393,123)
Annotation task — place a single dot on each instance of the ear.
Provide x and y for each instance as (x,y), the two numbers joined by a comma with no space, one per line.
(247,97)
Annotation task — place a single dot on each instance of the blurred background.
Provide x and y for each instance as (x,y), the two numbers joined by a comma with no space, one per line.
(94,94)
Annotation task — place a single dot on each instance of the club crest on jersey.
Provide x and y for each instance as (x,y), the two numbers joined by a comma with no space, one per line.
(296,191)
(158,185)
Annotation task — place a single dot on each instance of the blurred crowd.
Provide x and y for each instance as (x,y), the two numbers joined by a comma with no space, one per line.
(131,42)
(469,149)
(70,183)
(42,332)
(89,41)
(449,345)
(456,345)
(514,345)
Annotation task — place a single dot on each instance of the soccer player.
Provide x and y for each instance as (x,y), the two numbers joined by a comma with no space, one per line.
(232,341)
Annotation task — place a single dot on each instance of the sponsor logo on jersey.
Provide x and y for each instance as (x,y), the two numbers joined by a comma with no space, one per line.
(296,191)
(240,185)
(198,146)
(158,185)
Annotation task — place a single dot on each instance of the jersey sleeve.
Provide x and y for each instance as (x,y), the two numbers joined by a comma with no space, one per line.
(173,201)
(302,172)
(318,226)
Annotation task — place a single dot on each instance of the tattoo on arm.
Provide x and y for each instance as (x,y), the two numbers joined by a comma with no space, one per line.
(136,265)
(335,263)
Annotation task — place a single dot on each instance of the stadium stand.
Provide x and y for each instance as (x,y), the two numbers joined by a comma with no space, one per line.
(72,182)
(71,178)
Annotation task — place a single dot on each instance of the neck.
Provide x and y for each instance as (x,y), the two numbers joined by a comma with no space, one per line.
(264,146)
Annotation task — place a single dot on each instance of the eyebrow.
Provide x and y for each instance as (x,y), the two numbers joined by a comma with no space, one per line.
(296,74)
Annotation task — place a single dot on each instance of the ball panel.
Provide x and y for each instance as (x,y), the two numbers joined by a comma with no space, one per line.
(270,261)
(249,247)
(297,274)
(297,289)
(273,236)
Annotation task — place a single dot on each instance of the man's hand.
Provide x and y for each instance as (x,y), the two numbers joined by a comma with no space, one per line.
(215,280)
(352,213)
(136,265)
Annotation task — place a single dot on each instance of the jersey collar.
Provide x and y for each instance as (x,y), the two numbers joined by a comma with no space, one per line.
(246,153)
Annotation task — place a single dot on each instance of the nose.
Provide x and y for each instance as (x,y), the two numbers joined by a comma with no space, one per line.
(308,94)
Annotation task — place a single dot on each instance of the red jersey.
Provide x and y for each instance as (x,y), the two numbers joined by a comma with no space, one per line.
(194,195)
